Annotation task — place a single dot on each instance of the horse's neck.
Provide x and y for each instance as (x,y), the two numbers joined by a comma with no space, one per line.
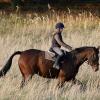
(81,57)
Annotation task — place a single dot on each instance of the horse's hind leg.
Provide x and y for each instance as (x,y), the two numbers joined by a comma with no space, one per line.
(22,83)
(26,74)
(25,81)
(28,78)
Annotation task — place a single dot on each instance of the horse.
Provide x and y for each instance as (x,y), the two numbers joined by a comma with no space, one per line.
(33,61)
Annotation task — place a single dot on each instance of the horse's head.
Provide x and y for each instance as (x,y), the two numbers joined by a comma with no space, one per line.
(93,58)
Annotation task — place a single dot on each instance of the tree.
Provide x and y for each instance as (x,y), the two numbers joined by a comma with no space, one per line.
(16,3)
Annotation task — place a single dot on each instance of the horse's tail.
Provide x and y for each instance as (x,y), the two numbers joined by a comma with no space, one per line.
(7,66)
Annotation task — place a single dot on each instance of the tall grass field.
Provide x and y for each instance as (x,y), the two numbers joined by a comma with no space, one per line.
(19,32)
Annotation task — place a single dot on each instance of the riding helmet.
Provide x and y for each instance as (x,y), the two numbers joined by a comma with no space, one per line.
(59,25)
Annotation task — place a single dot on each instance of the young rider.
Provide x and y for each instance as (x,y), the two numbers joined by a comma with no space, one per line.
(57,42)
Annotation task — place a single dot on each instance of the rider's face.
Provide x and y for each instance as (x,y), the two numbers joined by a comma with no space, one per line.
(59,29)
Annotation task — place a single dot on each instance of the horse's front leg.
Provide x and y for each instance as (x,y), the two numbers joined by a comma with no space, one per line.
(82,86)
(61,79)
(60,83)
(75,81)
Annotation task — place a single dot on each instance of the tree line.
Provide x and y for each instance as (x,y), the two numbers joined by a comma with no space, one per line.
(18,3)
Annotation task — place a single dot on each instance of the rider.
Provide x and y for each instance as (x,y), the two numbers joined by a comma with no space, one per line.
(57,42)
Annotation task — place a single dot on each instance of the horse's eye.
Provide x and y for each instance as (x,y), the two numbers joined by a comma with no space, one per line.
(94,57)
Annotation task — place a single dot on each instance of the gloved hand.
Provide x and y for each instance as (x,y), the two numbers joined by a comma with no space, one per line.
(70,48)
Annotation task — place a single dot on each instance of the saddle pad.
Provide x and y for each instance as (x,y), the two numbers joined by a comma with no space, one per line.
(50,55)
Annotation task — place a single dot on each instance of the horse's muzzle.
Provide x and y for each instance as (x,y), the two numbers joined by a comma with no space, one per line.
(96,68)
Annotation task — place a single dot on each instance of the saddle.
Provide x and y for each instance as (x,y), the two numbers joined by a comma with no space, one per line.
(50,55)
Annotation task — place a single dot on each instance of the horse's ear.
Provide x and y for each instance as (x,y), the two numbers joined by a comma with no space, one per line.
(98,50)
(98,47)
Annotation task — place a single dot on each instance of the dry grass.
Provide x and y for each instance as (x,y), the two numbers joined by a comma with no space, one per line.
(21,33)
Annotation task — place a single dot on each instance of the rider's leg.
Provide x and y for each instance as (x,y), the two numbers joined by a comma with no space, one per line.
(60,54)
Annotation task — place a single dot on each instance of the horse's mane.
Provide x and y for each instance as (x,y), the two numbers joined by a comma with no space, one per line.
(78,50)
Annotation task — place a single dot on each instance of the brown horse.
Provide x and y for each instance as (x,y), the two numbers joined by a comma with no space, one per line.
(33,61)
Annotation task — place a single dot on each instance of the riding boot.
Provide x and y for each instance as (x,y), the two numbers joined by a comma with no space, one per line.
(56,64)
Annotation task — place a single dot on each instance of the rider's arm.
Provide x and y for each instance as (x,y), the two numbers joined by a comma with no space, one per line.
(60,42)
